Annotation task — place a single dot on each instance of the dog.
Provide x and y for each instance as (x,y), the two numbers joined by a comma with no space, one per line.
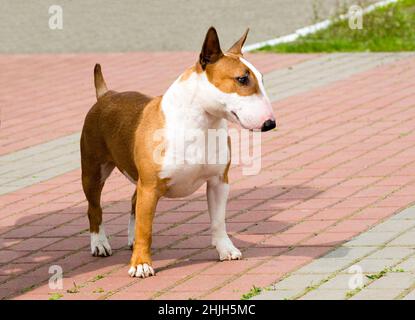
(119,132)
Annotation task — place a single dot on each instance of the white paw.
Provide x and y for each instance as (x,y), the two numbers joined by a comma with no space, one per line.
(131,231)
(141,271)
(227,251)
(100,246)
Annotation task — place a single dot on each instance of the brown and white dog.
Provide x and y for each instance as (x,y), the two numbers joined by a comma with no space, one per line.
(119,131)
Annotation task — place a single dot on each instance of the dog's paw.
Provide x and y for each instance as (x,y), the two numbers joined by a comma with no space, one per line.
(100,246)
(141,271)
(227,251)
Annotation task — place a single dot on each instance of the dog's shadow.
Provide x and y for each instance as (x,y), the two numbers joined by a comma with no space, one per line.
(181,236)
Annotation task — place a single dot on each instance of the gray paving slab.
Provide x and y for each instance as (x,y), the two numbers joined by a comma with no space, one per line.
(372,239)
(394,280)
(408,265)
(393,225)
(407,214)
(279,294)
(39,163)
(392,253)
(407,239)
(299,281)
(157,25)
(326,266)
(340,282)
(352,253)
(324,295)
(410,296)
(372,266)
(377,294)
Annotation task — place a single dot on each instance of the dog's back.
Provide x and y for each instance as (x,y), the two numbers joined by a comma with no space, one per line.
(110,121)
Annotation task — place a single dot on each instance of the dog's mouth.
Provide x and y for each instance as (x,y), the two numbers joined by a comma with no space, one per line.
(235,119)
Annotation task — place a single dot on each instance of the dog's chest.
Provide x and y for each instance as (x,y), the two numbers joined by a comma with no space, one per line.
(190,160)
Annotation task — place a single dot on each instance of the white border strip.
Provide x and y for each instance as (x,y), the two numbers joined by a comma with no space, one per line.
(313,28)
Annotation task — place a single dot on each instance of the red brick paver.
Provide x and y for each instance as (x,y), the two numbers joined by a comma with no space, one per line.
(47,96)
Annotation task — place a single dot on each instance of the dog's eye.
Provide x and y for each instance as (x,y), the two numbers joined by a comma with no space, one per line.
(244,80)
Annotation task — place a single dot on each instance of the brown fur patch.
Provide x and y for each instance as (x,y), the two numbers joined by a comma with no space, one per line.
(224,73)
(187,73)
(118,130)
(149,187)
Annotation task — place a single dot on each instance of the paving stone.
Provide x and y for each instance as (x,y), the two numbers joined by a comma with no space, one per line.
(341,282)
(325,266)
(407,214)
(392,253)
(352,253)
(375,265)
(407,239)
(299,281)
(376,294)
(393,226)
(408,265)
(410,296)
(321,294)
(278,294)
(394,280)
(371,239)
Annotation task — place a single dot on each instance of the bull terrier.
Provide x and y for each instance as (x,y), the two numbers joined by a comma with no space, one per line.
(119,131)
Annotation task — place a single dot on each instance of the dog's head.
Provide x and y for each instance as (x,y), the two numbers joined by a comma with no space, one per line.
(233,87)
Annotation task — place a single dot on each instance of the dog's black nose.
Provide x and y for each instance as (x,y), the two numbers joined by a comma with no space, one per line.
(268,125)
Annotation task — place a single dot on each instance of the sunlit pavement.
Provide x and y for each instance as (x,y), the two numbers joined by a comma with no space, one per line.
(340,163)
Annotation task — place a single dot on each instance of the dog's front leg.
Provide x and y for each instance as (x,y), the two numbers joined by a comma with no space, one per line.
(141,263)
(217,196)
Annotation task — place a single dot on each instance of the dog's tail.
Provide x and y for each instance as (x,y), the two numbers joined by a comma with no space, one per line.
(100,85)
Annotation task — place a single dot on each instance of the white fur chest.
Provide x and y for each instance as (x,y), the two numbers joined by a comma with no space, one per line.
(196,143)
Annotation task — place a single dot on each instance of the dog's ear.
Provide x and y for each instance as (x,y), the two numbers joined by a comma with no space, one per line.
(237,46)
(211,51)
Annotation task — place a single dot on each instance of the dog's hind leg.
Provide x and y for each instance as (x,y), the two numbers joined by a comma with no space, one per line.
(131,222)
(94,175)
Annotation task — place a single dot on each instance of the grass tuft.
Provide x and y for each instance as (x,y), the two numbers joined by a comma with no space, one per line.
(387,29)
(55,296)
(252,293)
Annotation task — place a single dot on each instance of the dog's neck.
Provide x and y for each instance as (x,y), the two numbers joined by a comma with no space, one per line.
(185,103)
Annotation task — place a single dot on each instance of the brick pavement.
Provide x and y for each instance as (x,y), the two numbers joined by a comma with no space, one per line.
(340,163)
(377,264)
